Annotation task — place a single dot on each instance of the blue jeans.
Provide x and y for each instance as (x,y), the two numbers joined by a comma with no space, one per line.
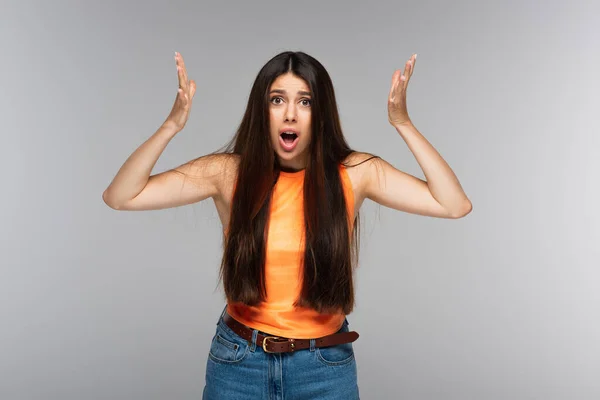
(239,369)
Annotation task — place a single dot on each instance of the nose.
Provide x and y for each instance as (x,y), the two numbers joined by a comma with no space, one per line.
(290,113)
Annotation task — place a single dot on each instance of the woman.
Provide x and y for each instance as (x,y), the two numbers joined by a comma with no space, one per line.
(287,189)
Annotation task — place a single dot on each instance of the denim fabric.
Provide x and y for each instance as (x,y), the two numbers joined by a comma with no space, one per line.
(240,370)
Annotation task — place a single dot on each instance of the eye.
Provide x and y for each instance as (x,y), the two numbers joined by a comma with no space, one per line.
(309,102)
(275,98)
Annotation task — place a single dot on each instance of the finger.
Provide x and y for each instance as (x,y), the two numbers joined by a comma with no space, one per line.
(182,63)
(413,60)
(181,72)
(406,74)
(183,98)
(180,76)
(192,89)
(402,84)
(394,86)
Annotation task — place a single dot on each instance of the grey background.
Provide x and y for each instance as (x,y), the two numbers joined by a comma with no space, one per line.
(503,304)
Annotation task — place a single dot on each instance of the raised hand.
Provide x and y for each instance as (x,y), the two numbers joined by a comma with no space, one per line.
(183,103)
(397,110)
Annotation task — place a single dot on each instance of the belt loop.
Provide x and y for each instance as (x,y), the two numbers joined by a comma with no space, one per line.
(222,314)
(254,337)
(312,344)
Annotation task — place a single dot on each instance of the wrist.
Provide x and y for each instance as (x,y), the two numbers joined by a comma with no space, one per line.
(403,126)
(169,128)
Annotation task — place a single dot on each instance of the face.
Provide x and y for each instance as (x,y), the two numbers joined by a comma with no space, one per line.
(290,111)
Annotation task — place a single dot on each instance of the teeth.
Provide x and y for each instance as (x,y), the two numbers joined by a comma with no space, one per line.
(289,135)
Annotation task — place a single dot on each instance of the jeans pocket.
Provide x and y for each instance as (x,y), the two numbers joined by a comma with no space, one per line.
(227,348)
(340,354)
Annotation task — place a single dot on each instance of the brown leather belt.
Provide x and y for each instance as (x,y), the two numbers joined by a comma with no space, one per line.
(275,344)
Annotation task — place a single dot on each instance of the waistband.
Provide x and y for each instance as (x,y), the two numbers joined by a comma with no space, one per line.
(276,344)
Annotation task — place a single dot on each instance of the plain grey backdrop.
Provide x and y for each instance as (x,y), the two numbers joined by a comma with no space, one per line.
(503,304)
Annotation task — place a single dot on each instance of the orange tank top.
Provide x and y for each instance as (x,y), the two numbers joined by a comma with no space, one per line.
(283,267)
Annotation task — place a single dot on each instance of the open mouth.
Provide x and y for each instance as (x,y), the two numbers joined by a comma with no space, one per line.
(288,140)
(288,137)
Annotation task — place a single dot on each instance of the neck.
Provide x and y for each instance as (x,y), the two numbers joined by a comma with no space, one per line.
(292,165)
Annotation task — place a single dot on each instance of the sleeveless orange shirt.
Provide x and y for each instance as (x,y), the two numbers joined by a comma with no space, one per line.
(283,267)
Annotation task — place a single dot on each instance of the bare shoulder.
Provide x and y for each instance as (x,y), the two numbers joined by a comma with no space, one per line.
(359,166)
(220,169)
(217,162)
(196,180)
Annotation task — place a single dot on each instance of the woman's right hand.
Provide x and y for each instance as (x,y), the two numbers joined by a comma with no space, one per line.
(183,103)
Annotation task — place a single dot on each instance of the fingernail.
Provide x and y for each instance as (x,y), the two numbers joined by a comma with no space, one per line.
(415,56)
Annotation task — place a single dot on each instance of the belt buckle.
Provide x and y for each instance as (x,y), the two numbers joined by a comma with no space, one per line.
(264,344)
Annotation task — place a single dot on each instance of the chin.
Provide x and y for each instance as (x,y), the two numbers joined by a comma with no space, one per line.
(285,157)
(290,160)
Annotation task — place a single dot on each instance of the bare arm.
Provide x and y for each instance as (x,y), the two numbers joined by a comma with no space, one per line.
(134,189)
(441,195)
(135,172)
(441,190)
(400,191)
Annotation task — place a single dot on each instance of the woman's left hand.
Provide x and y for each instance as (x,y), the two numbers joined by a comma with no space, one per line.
(397,111)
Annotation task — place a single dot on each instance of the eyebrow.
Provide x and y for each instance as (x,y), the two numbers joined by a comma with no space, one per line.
(302,92)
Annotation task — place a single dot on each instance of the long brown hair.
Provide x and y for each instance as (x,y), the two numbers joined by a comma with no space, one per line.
(331,249)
